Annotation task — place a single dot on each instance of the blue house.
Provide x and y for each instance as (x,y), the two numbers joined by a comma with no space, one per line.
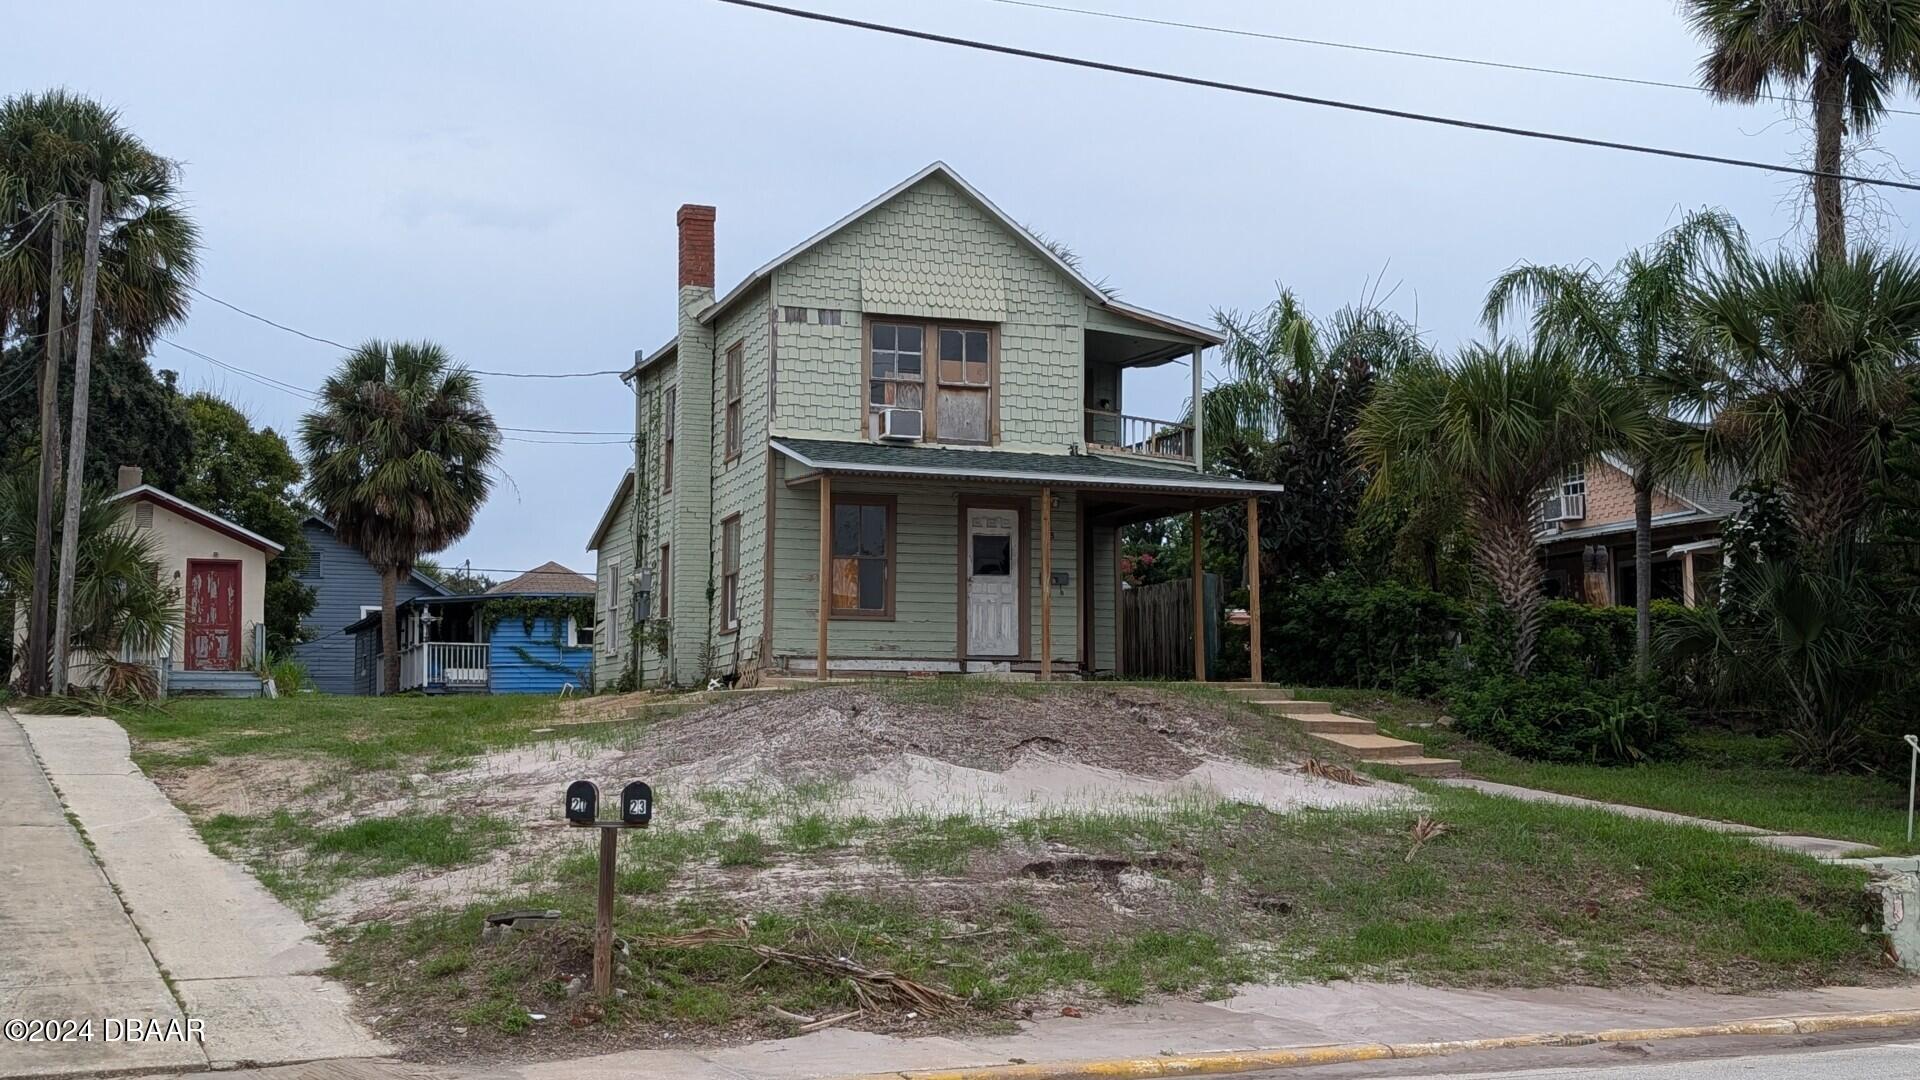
(530,635)
(346,587)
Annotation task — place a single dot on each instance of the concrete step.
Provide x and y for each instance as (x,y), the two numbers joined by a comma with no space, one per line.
(1369,747)
(1419,766)
(1292,707)
(214,683)
(1253,690)
(1334,724)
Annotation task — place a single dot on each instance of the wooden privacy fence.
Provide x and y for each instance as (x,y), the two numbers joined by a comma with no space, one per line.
(1156,629)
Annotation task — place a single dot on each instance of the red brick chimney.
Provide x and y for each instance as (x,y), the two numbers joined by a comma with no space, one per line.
(696,246)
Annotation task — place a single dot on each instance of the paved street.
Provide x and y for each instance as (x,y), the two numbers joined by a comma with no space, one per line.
(1889,1061)
(90,933)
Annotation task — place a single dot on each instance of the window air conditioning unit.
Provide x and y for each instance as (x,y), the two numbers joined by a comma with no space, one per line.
(900,425)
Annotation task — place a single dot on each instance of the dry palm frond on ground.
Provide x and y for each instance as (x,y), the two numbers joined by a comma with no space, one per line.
(872,987)
(1339,774)
(1425,829)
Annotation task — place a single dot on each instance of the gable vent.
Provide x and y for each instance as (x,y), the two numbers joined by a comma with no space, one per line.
(143,515)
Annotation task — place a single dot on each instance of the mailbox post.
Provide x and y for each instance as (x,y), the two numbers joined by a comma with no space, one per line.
(582,811)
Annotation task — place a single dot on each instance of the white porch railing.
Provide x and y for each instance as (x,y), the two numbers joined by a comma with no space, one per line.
(454,665)
(1117,433)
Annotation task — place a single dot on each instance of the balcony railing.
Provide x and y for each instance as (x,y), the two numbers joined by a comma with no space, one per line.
(450,665)
(1117,433)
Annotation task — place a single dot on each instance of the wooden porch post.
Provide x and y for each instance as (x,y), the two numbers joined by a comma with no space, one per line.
(1046,584)
(826,576)
(1199,603)
(1253,586)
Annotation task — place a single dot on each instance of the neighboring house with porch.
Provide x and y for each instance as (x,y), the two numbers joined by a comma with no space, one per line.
(220,570)
(530,635)
(346,587)
(906,444)
(1586,535)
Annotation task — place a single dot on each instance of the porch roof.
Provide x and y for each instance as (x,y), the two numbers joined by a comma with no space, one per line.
(1071,471)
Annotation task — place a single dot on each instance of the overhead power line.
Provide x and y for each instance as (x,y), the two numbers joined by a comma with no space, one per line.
(1692,88)
(1306,99)
(301,391)
(297,332)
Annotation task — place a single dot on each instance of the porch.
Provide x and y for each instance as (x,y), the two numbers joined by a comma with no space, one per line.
(928,560)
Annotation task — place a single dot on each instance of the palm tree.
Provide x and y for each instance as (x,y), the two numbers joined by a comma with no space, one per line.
(1814,365)
(1847,54)
(397,456)
(1285,414)
(52,146)
(1632,322)
(1497,425)
(119,596)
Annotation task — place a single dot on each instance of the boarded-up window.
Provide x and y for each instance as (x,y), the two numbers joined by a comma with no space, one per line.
(730,574)
(734,360)
(862,581)
(953,386)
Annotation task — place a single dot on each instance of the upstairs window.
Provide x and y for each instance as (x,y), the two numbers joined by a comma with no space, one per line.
(897,371)
(734,360)
(955,393)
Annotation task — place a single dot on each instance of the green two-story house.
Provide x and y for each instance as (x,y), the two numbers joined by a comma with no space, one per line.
(900,446)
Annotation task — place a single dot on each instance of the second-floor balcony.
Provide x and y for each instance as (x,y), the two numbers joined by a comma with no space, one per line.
(1109,432)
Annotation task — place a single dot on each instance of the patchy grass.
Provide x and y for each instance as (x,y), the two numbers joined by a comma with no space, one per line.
(1723,776)
(1209,898)
(303,863)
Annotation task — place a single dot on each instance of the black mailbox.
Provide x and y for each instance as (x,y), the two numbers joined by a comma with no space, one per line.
(583,802)
(636,803)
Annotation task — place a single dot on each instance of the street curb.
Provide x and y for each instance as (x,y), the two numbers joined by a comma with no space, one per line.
(1234,1061)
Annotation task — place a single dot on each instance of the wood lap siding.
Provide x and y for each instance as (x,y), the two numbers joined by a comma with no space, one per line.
(510,673)
(342,581)
(926,574)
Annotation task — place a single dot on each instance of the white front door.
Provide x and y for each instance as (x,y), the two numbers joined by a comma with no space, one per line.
(993,594)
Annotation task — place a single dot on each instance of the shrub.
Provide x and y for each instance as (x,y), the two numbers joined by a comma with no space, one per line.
(1568,717)
(1336,631)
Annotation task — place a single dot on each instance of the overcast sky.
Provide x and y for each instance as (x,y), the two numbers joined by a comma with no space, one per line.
(503,178)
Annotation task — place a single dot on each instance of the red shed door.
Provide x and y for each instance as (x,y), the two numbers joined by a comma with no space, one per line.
(213,615)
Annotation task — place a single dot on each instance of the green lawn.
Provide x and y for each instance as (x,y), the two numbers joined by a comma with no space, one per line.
(364,732)
(1724,776)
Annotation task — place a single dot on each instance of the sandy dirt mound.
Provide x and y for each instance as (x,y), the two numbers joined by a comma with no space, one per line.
(840,733)
(873,752)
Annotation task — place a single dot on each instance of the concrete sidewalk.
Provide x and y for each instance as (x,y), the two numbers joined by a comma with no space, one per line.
(67,948)
(239,960)
(1259,1018)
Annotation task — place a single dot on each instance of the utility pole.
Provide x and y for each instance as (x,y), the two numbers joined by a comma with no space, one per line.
(37,652)
(77,447)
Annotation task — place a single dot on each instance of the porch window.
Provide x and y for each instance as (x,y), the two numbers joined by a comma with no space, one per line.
(734,356)
(668,410)
(730,574)
(863,533)
(954,393)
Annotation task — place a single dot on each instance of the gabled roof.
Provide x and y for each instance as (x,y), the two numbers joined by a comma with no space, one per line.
(1020,232)
(149,493)
(418,575)
(620,491)
(1712,497)
(1074,471)
(547,579)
